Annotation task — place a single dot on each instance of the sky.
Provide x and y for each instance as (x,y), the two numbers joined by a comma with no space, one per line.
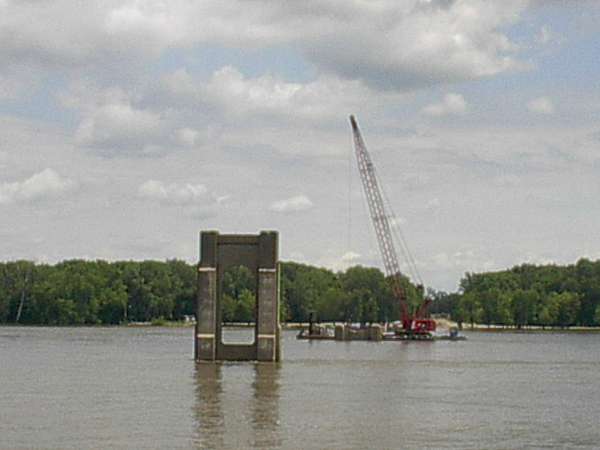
(127,127)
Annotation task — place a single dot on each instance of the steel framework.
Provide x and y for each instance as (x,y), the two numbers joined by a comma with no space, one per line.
(383,231)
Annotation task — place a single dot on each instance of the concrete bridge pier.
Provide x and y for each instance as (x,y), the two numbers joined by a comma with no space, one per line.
(259,253)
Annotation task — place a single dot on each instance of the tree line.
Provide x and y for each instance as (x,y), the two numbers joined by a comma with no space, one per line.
(78,292)
(527,295)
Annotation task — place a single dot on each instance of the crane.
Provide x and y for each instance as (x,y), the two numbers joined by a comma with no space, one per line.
(417,325)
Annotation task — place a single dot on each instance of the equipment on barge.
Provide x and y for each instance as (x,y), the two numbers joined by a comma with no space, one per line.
(414,325)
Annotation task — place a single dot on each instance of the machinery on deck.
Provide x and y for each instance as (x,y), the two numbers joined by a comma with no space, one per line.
(415,325)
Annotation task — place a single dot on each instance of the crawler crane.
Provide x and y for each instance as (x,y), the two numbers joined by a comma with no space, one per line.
(415,325)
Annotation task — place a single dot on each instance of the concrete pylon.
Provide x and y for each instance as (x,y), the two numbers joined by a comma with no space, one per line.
(259,253)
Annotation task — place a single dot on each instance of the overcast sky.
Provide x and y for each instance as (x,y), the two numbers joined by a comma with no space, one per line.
(126,127)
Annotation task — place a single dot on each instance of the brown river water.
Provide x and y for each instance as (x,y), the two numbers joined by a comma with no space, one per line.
(128,388)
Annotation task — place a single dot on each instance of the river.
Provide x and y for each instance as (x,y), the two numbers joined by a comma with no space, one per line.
(124,388)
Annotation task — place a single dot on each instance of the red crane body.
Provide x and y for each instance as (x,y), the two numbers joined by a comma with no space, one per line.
(412,324)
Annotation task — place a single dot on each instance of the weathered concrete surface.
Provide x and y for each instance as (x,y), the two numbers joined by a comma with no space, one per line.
(375,332)
(219,252)
(206,314)
(340,332)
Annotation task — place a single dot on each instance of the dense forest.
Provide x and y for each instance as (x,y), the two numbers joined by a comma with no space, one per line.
(546,295)
(98,292)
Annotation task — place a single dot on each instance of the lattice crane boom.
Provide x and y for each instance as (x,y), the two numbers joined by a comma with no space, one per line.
(383,232)
(379,217)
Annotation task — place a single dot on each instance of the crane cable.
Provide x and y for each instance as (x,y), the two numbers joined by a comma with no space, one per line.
(399,235)
(400,238)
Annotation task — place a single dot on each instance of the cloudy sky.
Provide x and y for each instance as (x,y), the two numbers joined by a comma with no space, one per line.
(126,127)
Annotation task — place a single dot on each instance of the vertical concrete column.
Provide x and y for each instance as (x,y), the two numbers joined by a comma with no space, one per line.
(375,332)
(278,352)
(206,302)
(267,336)
(340,332)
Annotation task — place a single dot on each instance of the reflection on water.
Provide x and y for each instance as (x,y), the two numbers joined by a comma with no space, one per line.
(238,415)
(208,412)
(265,408)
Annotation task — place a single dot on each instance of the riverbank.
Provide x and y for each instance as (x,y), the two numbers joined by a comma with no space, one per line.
(529,329)
(442,324)
(478,327)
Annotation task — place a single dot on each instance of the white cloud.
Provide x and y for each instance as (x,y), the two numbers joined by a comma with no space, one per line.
(185,111)
(173,193)
(442,260)
(292,204)
(390,43)
(335,262)
(297,256)
(40,186)
(229,92)
(201,212)
(397,222)
(264,113)
(117,123)
(541,105)
(464,261)
(223,199)
(350,257)
(229,86)
(193,200)
(9,87)
(117,126)
(451,104)
(187,136)
(509,180)
(226,109)
(151,21)
(433,204)
(421,43)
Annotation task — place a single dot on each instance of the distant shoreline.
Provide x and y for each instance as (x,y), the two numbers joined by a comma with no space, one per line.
(477,328)
(530,329)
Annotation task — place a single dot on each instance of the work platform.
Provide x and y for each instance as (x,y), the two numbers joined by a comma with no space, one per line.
(374,332)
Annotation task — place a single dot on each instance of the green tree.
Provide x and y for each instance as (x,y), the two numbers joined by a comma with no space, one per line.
(184,278)
(112,305)
(597,315)
(549,310)
(302,287)
(369,295)
(504,312)
(245,310)
(5,296)
(63,312)
(470,309)
(489,301)
(442,302)
(331,305)
(228,307)
(568,307)
(523,306)
(238,279)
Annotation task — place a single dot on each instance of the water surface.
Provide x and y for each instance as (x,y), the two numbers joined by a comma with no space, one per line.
(96,388)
